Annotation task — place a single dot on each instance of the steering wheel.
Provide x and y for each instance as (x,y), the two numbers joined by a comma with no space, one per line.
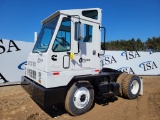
(64,41)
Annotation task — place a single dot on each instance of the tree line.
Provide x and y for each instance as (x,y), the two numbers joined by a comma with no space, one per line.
(151,44)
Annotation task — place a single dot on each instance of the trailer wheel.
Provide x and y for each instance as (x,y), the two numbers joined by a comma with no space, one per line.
(79,98)
(120,81)
(131,86)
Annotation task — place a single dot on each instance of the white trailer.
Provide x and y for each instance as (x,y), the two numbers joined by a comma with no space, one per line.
(64,65)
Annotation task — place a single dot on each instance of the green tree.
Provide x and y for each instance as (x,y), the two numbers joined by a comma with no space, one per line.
(134,45)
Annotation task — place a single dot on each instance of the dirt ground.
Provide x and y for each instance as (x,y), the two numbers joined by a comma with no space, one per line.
(16,104)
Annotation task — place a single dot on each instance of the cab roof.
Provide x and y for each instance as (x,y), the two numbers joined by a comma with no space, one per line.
(76,13)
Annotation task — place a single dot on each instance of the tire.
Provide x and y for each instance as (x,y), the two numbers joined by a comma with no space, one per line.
(79,98)
(120,79)
(131,87)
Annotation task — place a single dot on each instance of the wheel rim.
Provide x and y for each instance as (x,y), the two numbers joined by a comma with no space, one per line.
(134,87)
(81,97)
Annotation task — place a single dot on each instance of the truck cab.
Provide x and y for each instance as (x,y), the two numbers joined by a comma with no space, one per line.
(64,65)
(68,45)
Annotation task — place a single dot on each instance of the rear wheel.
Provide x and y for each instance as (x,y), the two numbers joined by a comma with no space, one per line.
(131,86)
(79,98)
(120,80)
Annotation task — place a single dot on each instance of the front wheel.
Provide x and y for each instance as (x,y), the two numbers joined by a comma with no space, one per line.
(79,98)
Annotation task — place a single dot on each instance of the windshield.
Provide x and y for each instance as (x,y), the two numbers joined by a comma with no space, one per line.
(45,36)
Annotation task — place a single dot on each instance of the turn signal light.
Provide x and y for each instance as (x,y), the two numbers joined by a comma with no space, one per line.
(97,70)
(56,73)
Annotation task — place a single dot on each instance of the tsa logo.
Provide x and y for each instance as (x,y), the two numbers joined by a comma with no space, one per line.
(108,59)
(3,78)
(11,44)
(128,70)
(130,54)
(21,66)
(148,65)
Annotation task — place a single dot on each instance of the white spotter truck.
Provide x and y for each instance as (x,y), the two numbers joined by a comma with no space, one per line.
(64,66)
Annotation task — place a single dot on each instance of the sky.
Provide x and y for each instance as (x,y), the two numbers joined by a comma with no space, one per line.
(123,19)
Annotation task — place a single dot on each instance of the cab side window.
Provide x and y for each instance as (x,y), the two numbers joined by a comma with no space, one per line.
(90,14)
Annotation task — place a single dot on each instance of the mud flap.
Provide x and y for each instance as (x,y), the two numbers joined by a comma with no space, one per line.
(141,91)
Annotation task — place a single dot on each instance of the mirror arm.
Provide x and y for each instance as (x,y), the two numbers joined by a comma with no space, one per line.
(78,49)
(69,16)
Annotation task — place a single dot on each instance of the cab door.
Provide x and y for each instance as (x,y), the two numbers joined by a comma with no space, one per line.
(87,35)
(62,45)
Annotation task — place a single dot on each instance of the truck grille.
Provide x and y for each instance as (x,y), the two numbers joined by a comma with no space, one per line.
(31,73)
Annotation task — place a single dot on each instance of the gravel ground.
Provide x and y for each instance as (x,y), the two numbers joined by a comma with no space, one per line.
(16,104)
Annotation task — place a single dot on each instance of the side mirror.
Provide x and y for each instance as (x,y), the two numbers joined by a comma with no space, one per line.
(79,31)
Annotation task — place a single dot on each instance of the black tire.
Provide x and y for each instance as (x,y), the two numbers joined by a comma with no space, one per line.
(120,79)
(79,98)
(131,87)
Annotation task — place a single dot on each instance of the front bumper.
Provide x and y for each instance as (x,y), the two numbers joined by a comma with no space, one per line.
(41,95)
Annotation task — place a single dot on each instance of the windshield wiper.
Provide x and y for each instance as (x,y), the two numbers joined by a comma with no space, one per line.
(39,53)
